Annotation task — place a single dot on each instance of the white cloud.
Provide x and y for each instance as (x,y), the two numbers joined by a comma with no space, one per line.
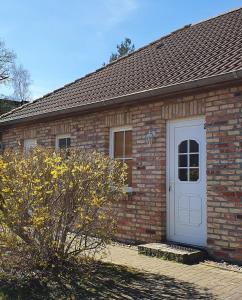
(117,11)
(108,14)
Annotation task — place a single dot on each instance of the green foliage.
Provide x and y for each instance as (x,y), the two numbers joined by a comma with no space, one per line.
(124,48)
(7,105)
(56,208)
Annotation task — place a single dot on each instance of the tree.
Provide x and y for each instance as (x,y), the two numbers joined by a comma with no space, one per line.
(55,207)
(125,47)
(7,58)
(20,83)
(14,75)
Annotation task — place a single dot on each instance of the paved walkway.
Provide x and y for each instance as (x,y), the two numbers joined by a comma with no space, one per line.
(221,284)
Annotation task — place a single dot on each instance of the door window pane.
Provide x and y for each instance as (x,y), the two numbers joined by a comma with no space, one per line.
(183,160)
(194,160)
(188,164)
(183,147)
(194,147)
(183,174)
(194,174)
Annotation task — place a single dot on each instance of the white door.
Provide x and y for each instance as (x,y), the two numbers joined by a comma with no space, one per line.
(186,182)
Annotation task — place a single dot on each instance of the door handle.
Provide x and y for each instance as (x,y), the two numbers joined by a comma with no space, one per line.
(171,185)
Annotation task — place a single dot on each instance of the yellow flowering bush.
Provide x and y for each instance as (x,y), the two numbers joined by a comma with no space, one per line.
(55,206)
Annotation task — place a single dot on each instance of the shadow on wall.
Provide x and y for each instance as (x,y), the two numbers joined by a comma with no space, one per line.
(103,281)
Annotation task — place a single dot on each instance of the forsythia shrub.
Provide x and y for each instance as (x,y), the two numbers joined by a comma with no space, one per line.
(55,207)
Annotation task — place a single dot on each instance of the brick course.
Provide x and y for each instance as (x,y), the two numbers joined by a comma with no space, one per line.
(142,216)
(224,173)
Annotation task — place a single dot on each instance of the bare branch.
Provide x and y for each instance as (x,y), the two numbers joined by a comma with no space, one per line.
(6,60)
(20,83)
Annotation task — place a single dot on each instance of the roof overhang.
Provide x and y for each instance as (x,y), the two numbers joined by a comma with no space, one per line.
(212,81)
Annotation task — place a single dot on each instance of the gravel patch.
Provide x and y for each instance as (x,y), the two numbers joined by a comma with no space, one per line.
(223,265)
(216,264)
(125,245)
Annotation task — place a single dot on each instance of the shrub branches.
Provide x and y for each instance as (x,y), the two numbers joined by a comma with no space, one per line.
(56,207)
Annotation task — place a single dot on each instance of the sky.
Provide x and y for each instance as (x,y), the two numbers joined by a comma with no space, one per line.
(59,41)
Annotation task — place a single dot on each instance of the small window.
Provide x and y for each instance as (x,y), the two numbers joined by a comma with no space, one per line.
(29,144)
(188,161)
(121,149)
(63,142)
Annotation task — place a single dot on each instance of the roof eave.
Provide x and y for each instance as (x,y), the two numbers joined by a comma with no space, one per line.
(163,91)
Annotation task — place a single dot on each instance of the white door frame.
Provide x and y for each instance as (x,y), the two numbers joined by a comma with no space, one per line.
(168,157)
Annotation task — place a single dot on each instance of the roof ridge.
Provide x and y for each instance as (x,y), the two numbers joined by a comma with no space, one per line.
(217,16)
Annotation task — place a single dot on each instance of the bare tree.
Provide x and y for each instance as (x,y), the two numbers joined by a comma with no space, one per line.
(7,58)
(20,83)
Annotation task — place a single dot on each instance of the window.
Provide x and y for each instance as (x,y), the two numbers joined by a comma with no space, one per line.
(121,149)
(63,141)
(188,160)
(29,144)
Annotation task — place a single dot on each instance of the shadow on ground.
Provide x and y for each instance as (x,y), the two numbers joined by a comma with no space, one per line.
(102,281)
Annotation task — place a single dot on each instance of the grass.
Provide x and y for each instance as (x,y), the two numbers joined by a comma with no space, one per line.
(100,281)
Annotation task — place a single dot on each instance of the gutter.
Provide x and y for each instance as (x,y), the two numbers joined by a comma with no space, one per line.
(128,99)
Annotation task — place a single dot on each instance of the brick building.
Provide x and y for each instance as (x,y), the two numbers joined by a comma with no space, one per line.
(172,111)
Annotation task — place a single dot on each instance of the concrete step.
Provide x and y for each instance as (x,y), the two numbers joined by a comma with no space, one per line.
(170,251)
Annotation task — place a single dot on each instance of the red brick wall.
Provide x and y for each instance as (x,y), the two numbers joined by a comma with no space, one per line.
(142,217)
(224,173)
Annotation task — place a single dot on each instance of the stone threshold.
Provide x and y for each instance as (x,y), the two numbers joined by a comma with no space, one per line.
(173,252)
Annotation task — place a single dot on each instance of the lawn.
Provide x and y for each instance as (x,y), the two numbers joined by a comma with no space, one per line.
(101,281)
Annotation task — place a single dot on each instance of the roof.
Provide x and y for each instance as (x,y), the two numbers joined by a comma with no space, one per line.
(206,49)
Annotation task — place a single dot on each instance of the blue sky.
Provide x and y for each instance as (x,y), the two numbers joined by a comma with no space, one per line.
(59,41)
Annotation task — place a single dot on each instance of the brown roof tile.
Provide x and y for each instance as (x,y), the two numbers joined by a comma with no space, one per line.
(205,49)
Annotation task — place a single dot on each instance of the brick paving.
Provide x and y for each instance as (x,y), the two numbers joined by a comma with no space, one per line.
(221,284)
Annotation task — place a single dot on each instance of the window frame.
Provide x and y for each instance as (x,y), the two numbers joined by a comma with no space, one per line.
(26,141)
(188,154)
(113,130)
(61,136)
